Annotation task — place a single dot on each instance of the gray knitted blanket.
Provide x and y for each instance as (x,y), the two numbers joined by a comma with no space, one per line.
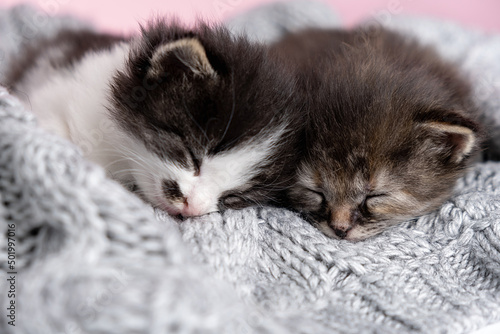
(86,256)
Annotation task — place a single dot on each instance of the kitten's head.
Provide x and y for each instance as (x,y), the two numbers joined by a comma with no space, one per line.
(202,117)
(390,131)
(356,191)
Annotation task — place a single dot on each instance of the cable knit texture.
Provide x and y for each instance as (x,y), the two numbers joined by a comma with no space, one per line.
(92,258)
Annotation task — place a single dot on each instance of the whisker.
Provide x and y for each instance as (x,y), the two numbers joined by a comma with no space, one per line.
(233,108)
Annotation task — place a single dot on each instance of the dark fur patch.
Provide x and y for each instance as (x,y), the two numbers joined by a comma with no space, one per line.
(171,190)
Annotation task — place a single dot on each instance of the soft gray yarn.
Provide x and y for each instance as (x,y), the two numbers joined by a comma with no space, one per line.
(92,258)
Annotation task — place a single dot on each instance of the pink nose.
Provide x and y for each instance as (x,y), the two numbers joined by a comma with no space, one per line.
(190,210)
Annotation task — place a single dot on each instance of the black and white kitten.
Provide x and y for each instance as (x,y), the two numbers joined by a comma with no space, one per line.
(391,128)
(195,119)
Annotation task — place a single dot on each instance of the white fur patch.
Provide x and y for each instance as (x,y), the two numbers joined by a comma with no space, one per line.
(227,171)
(72,104)
(220,173)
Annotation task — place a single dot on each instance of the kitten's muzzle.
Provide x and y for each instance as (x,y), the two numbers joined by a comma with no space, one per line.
(186,208)
(343,220)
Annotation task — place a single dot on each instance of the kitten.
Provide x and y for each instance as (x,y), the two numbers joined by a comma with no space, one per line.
(195,119)
(391,128)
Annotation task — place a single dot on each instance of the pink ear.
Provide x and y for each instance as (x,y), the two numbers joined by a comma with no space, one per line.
(186,55)
(462,140)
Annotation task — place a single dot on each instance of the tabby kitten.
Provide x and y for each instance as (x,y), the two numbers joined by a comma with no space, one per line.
(391,128)
(195,120)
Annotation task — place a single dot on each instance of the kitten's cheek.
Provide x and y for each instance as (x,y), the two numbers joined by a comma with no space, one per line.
(233,202)
(327,230)
(170,208)
(360,233)
(302,206)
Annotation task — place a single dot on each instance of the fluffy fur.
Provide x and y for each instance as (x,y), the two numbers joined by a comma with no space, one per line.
(391,127)
(195,120)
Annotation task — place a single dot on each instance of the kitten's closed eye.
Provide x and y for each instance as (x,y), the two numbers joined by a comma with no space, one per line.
(370,201)
(375,198)
(314,198)
(370,196)
(309,199)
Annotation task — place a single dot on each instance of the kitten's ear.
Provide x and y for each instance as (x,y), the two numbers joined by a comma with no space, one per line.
(184,56)
(458,135)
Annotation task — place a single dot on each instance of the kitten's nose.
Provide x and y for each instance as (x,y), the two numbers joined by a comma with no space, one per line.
(191,210)
(341,221)
(340,229)
(196,207)
(340,233)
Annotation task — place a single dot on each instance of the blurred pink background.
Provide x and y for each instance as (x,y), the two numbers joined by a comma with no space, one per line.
(123,16)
